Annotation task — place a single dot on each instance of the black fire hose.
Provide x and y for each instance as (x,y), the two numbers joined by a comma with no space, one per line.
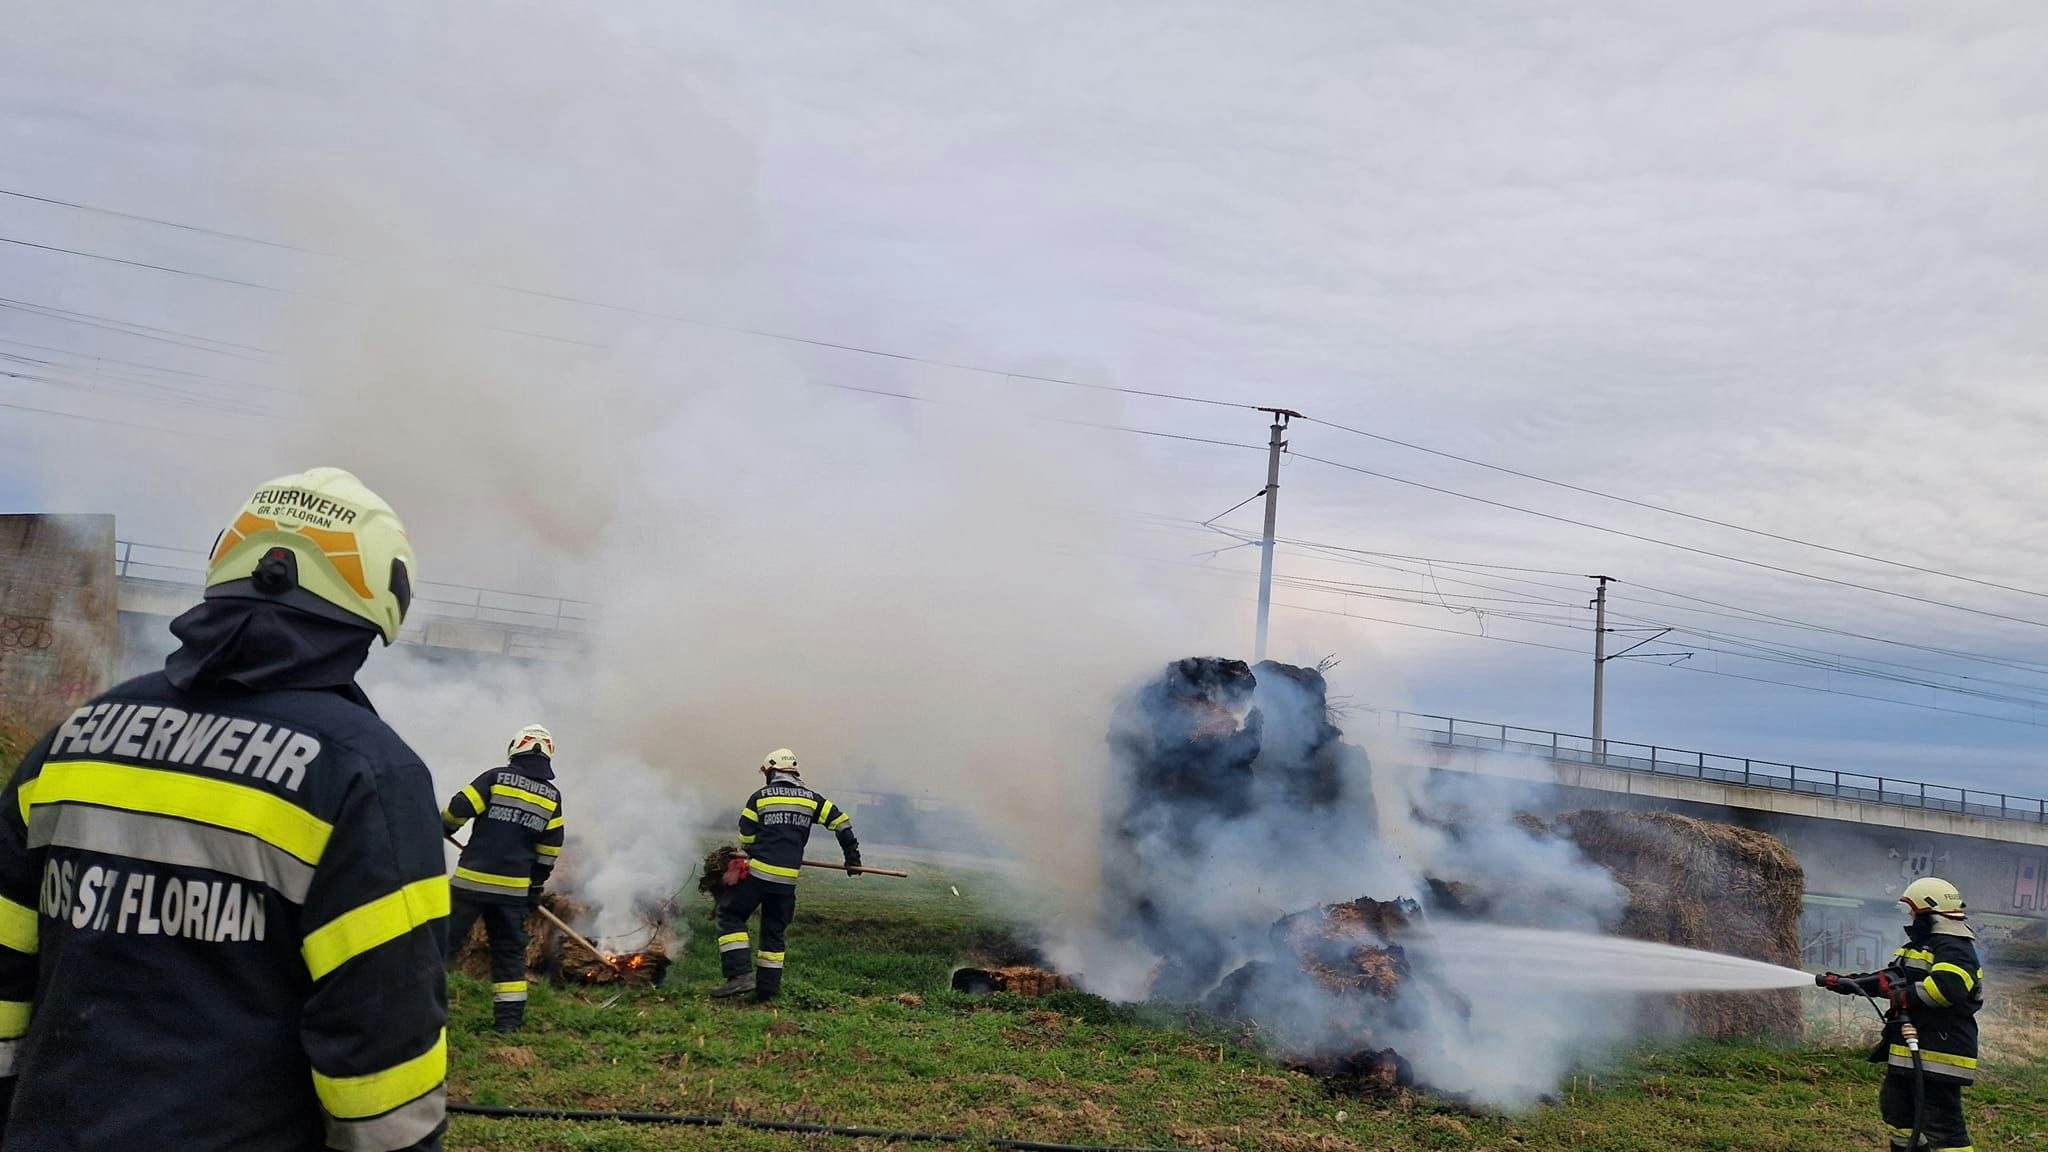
(784,1126)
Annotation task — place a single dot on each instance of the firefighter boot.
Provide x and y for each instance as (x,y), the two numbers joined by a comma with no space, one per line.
(508,1015)
(737,986)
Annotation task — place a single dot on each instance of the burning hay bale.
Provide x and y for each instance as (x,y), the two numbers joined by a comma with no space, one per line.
(1229,764)
(1016,979)
(1328,987)
(553,956)
(543,946)
(1709,886)
(1348,947)
(648,967)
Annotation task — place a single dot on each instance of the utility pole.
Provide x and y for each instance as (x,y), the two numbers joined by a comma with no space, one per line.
(1274,447)
(1599,662)
(1601,656)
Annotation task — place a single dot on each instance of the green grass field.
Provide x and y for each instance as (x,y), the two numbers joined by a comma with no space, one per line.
(868,1034)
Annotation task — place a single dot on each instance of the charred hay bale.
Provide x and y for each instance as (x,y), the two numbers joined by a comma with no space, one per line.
(1715,887)
(1349,947)
(1015,979)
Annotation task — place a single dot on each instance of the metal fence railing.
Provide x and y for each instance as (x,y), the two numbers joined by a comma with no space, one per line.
(430,599)
(1661,761)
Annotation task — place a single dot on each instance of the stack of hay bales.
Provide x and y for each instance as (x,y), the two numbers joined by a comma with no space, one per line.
(1713,887)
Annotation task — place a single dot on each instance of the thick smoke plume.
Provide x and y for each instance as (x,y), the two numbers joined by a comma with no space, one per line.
(1240,801)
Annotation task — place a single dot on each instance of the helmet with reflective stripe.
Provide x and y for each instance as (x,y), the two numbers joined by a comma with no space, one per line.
(780,760)
(1933,895)
(320,542)
(532,738)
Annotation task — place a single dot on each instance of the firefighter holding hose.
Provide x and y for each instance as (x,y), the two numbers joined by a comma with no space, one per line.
(1934,986)
(774,826)
(506,864)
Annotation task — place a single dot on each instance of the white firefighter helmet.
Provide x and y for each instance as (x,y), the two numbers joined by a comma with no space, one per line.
(321,542)
(1931,894)
(780,760)
(532,738)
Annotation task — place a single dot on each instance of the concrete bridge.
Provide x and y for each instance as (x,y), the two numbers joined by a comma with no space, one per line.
(156,583)
(1732,782)
(1860,839)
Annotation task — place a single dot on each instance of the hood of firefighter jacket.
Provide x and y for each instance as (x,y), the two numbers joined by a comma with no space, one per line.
(533,765)
(254,646)
(775,778)
(1943,926)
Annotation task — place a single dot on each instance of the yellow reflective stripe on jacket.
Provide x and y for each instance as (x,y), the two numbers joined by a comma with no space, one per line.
(19,926)
(384,919)
(745,839)
(13,1019)
(1932,991)
(838,822)
(533,798)
(373,1094)
(1969,981)
(554,824)
(786,802)
(772,869)
(476,799)
(475,877)
(1933,1057)
(1916,958)
(549,850)
(221,802)
(748,813)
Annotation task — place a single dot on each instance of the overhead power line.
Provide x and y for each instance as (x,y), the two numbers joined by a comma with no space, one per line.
(1697,551)
(1668,511)
(589,302)
(1577,653)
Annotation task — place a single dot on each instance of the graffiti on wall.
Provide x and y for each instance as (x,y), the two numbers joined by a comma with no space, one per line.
(58,639)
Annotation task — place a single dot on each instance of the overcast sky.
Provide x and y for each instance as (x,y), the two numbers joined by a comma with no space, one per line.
(1782,265)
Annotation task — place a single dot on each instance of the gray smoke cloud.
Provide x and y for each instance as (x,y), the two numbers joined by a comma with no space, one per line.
(1238,805)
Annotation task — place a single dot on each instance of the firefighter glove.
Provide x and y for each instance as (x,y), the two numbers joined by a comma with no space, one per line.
(533,895)
(853,864)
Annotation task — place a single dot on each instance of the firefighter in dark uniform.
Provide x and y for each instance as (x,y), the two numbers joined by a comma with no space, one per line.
(1934,981)
(775,825)
(505,866)
(222,904)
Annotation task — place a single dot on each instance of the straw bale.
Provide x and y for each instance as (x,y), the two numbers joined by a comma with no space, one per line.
(1715,887)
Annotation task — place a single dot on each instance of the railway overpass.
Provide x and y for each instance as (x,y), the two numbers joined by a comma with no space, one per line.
(1860,838)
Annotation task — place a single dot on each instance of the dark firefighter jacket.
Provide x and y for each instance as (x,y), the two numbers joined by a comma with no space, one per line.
(516,842)
(1941,974)
(222,911)
(776,824)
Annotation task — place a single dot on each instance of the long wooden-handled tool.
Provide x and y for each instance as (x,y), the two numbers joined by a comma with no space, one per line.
(863,869)
(557,921)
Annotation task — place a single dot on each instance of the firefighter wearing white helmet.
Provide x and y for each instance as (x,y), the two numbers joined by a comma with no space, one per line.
(1936,983)
(505,866)
(775,824)
(244,948)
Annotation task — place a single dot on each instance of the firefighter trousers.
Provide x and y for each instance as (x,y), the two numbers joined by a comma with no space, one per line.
(505,930)
(1941,1110)
(777,903)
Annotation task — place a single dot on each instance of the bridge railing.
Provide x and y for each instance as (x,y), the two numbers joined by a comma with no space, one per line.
(1662,761)
(430,599)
